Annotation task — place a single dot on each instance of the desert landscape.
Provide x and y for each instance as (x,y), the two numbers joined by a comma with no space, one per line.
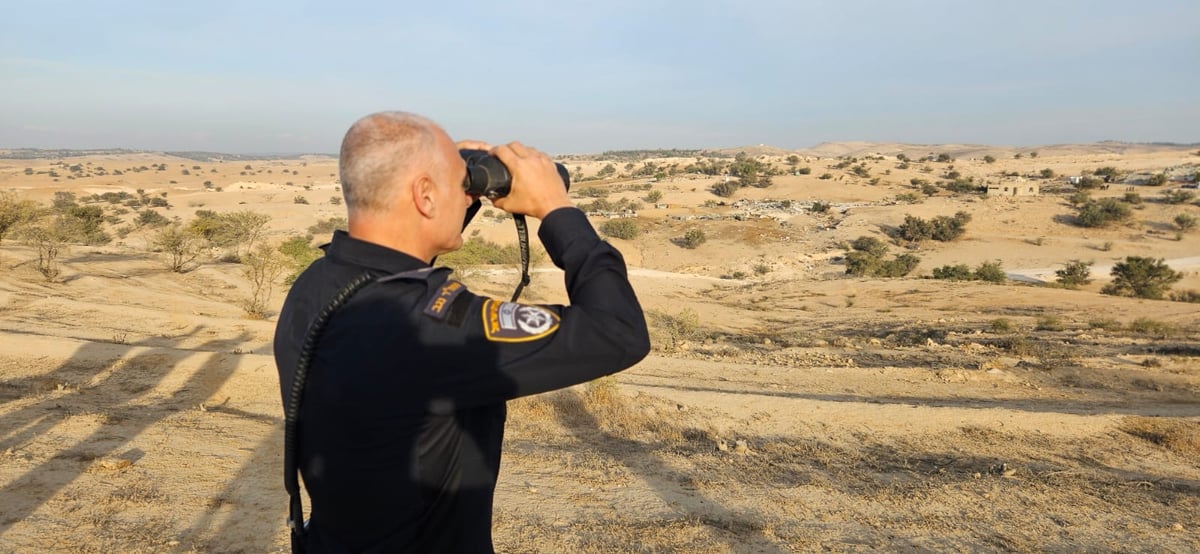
(857,347)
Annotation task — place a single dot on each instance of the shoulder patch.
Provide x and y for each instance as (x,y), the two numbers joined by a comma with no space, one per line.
(512,322)
(439,305)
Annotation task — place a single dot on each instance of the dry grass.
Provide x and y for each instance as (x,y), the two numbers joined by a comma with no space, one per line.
(1180,436)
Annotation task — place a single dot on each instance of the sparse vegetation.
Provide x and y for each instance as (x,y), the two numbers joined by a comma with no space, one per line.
(1178,196)
(991,272)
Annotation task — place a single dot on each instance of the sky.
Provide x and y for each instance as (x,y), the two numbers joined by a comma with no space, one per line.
(585,77)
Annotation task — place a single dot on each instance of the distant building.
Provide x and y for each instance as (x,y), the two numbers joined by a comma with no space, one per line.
(1014,189)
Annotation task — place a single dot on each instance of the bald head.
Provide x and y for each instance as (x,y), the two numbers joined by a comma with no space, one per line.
(378,150)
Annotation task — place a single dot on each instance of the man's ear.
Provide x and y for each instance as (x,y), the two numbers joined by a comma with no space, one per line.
(423,194)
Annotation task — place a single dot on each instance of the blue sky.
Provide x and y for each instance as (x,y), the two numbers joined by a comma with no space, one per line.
(590,76)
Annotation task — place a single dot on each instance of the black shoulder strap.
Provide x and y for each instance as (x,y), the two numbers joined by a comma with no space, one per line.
(291,450)
(291,447)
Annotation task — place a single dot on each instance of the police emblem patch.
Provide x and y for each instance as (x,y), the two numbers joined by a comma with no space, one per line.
(512,322)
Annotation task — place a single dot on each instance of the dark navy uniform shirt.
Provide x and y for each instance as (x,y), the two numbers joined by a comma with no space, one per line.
(403,413)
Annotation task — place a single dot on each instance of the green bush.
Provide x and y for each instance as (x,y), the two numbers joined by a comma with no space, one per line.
(622,228)
(1185,222)
(693,239)
(1141,277)
(819,207)
(1103,212)
(804,171)
(990,272)
(959,272)
(866,259)
(1049,323)
(941,228)
(1178,196)
(1075,274)
(725,189)
(1001,325)
(1191,296)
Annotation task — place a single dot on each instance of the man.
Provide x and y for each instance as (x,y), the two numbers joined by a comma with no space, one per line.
(403,410)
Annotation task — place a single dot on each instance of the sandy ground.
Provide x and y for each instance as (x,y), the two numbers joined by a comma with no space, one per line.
(799,411)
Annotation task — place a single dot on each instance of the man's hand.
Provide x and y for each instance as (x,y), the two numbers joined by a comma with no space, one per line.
(537,189)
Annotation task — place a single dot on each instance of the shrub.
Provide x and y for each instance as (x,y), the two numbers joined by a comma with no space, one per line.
(1191,296)
(804,171)
(178,243)
(1157,180)
(335,200)
(1178,196)
(1075,274)
(671,331)
(300,254)
(654,196)
(990,272)
(150,218)
(866,259)
(819,207)
(941,228)
(49,241)
(1079,198)
(1133,198)
(1147,326)
(725,189)
(989,159)
(14,212)
(693,238)
(762,269)
(1047,173)
(1141,277)
(1185,222)
(825,176)
(1049,323)
(1103,212)
(327,226)
(1089,182)
(959,272)
(264,264)
(623,228)
(909,198)
(299,199)
(1001,325)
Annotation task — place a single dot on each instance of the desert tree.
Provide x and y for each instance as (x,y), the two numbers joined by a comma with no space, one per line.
(654,196)
(1075,274)
(180,244)
(264,265)
(50,241)
(14,212)
(1142,277)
